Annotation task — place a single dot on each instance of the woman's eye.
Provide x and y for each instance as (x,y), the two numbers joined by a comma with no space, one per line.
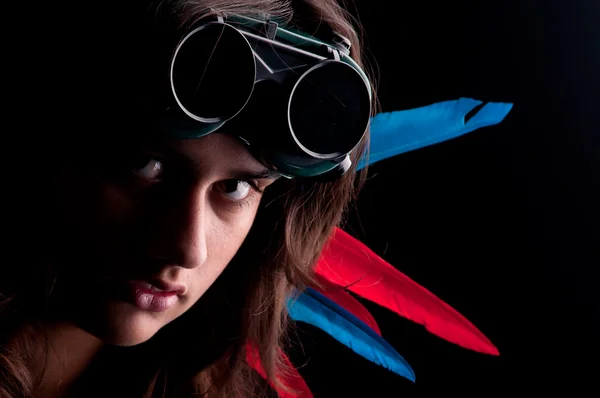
(148,168)
(235,190)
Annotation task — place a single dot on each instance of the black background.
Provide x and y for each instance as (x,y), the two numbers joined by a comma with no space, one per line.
(503,223)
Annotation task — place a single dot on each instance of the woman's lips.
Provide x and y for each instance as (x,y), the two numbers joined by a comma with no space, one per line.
(149,297)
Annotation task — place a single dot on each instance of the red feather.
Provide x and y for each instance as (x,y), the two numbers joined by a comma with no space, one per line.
(345,299)
(291,378)
(349,263)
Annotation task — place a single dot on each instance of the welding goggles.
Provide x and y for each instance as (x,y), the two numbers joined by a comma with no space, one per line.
(300,104)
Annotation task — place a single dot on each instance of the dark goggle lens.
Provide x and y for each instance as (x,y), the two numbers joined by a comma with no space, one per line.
(329,109)
(213,73)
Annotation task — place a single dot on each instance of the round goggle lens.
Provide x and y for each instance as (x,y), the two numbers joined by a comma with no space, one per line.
(329,109)
(213,73)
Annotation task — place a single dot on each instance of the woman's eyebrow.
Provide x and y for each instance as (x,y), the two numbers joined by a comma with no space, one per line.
(262,174)
(175,153)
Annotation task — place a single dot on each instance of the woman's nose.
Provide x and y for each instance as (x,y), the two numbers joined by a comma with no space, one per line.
(180,235)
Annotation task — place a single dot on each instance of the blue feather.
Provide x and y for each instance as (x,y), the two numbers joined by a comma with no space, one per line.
(393,133)
(315,309)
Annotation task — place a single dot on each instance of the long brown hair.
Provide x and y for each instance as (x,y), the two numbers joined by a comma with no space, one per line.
(247,303)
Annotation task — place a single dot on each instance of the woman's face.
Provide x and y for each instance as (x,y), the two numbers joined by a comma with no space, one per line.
(133,220)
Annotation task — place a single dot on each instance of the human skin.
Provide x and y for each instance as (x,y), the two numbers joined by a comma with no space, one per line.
(176,211)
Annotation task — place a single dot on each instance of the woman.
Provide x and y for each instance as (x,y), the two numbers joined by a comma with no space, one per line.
(161,250)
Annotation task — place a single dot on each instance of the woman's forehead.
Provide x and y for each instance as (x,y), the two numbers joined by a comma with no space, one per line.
(216,151)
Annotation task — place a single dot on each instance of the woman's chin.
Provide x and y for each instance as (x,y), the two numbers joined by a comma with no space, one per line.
(123,324)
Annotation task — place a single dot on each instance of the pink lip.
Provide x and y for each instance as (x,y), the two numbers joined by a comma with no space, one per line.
(157,296)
